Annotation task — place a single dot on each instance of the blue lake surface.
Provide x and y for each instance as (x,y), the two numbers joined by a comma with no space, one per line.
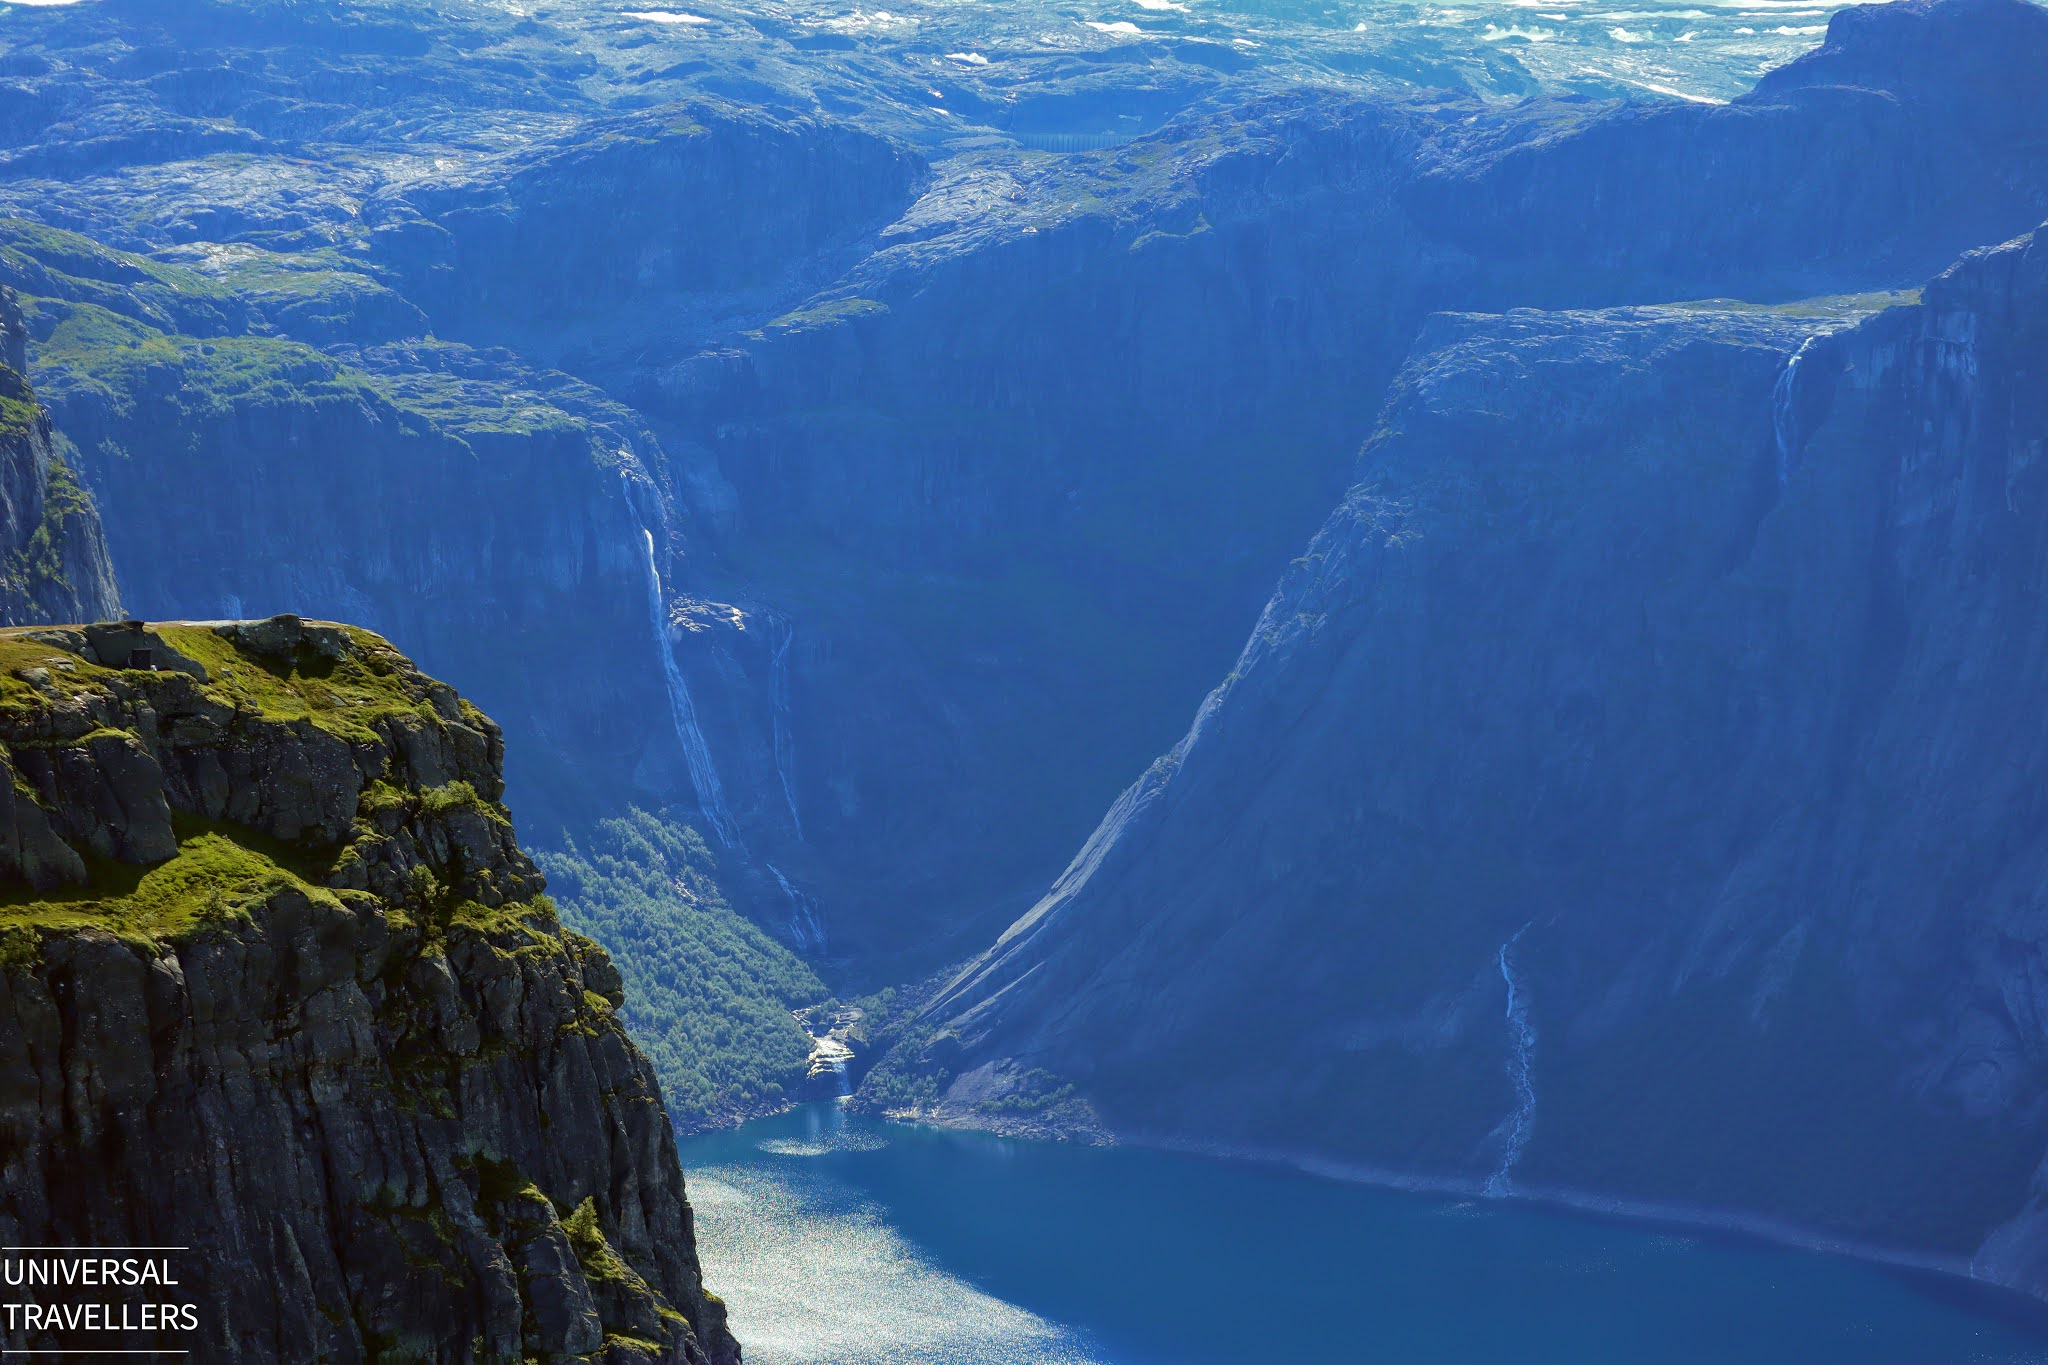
(839,1240)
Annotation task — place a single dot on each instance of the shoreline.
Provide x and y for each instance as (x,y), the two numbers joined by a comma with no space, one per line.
(1957,1272)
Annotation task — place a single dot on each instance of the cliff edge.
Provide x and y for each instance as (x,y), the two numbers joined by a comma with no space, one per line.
(277,985)
(53,553)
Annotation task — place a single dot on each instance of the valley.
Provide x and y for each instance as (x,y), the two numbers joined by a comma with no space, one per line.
(1441,591)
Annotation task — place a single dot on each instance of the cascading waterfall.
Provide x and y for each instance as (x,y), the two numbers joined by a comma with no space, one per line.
(682,711)
(781,635)
(805,927)
(840,1077)
(1521,1057)
(830,1053)
(1783,409)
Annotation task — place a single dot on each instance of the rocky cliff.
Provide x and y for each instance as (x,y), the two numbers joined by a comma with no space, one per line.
(280,987)
(1630,795)
(53,555)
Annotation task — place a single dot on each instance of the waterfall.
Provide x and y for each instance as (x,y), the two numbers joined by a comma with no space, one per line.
(829,1054)
(1521,1056)
(804,925)
(682,711)
(1783,410)
(806,928)
(781,636)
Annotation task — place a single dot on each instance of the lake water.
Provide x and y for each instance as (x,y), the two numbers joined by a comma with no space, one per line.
(849,1241)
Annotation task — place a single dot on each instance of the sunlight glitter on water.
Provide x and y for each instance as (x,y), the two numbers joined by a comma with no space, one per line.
(815,1277)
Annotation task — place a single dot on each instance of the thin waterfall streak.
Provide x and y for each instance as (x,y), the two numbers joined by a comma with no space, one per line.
(805,927)
(682,710)
(779,708)
(1521,1061)
(1784,411)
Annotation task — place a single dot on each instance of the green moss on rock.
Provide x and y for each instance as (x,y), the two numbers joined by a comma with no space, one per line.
(162,777)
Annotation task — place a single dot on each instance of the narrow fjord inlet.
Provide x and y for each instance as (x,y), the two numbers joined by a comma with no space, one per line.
(1058,682)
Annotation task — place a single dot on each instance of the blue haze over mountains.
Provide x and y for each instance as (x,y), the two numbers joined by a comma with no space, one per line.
(1630,792)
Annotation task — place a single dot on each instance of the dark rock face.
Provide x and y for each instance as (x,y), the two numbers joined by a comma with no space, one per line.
(53,556)
(1592,811)
(310,1017)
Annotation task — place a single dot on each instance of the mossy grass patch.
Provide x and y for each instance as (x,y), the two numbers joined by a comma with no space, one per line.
(342,694)
(219,873)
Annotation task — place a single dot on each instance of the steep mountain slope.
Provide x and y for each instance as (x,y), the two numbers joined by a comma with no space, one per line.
(53,555)
(1631,792)
(965,465)
(282,989)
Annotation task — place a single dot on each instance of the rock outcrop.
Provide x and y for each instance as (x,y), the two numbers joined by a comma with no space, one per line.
(279,986)
(1631,793)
